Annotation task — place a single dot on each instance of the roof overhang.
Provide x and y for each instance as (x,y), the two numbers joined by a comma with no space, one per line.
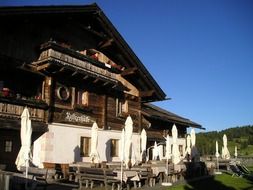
(155,113)
(110,42)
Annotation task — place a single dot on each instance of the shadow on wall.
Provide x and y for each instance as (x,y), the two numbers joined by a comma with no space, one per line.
(108,151)
(77,157)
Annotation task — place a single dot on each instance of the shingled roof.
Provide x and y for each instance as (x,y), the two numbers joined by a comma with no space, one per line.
(158,113)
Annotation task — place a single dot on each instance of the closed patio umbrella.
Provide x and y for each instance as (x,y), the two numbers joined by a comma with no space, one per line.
(236,152)
(143,143)
(175,148)
(194,151)
(188,145)
(94,141)
(168,148)
(167,152)
(217,150)
(25,135)
(128,140)
(155,151)
(122,153)
(226,154)
(217,157)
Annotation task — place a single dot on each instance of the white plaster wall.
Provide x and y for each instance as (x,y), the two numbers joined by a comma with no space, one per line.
(61,144)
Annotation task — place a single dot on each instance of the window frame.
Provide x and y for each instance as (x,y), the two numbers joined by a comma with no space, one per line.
(85,146)
(121,107)
(115,144)
(81,95)
(8,146)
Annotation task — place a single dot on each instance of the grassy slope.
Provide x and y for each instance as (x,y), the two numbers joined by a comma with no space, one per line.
(218,182)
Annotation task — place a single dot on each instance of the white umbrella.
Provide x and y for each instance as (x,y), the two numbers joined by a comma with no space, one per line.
(222,152)
(193,137)
(217,150)
(217,156)
(188,145)
(167,152)
(133,155)
(236,152)
(94,141)
(143,143)
(128,140)
(168,148)
(160,151)
(225,148)
(122,152)
(25,135)
(155,151)
(194,151)
(175,148)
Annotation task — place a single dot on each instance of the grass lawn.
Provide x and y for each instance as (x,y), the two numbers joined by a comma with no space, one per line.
(218,182)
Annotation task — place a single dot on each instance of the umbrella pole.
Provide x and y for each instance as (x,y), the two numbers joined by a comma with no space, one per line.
(26,169)
(217,165)
(26,173)
(121,175)
(167,169)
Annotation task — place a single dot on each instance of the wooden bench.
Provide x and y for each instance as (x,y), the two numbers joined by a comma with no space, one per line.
(88,176)
(145,174)
(39,176)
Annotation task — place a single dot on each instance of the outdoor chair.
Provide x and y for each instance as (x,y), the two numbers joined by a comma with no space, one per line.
(235,170)
(243,168)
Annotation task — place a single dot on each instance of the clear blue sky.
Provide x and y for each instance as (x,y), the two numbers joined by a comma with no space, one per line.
(200,53)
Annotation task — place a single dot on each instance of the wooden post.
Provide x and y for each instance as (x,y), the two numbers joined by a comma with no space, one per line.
(49,90)
(139,117)
(105,102)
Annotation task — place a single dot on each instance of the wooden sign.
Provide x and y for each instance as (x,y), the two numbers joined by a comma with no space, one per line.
(74,118)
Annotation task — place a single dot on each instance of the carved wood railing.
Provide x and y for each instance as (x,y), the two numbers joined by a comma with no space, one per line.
(53,51)
(14,109)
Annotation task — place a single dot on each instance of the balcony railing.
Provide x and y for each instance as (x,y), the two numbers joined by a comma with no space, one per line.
(13,108)
(69,57)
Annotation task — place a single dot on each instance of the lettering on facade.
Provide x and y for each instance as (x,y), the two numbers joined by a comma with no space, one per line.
(78,118)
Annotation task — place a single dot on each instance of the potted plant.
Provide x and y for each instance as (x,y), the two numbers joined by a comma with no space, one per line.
(6,92)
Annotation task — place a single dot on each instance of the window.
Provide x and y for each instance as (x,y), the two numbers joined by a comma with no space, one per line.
(114,148)
(85,146)
(83,98)
(8,146)
(121,107)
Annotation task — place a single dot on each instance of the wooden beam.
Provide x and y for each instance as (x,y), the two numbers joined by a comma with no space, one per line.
(129,71)
(114,86)
(61,69)
(96,80)
(74,73)
(106,83)
(42,67)
(147,93)
(105,44)
(85,77)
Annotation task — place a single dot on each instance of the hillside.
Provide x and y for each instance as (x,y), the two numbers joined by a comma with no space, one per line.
(242,137)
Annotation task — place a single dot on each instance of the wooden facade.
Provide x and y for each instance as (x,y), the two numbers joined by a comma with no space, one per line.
(69,65)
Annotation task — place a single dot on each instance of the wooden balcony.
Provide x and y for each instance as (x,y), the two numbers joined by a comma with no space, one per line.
(12,108)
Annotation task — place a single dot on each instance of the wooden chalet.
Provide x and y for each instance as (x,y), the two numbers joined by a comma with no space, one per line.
(71,67)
